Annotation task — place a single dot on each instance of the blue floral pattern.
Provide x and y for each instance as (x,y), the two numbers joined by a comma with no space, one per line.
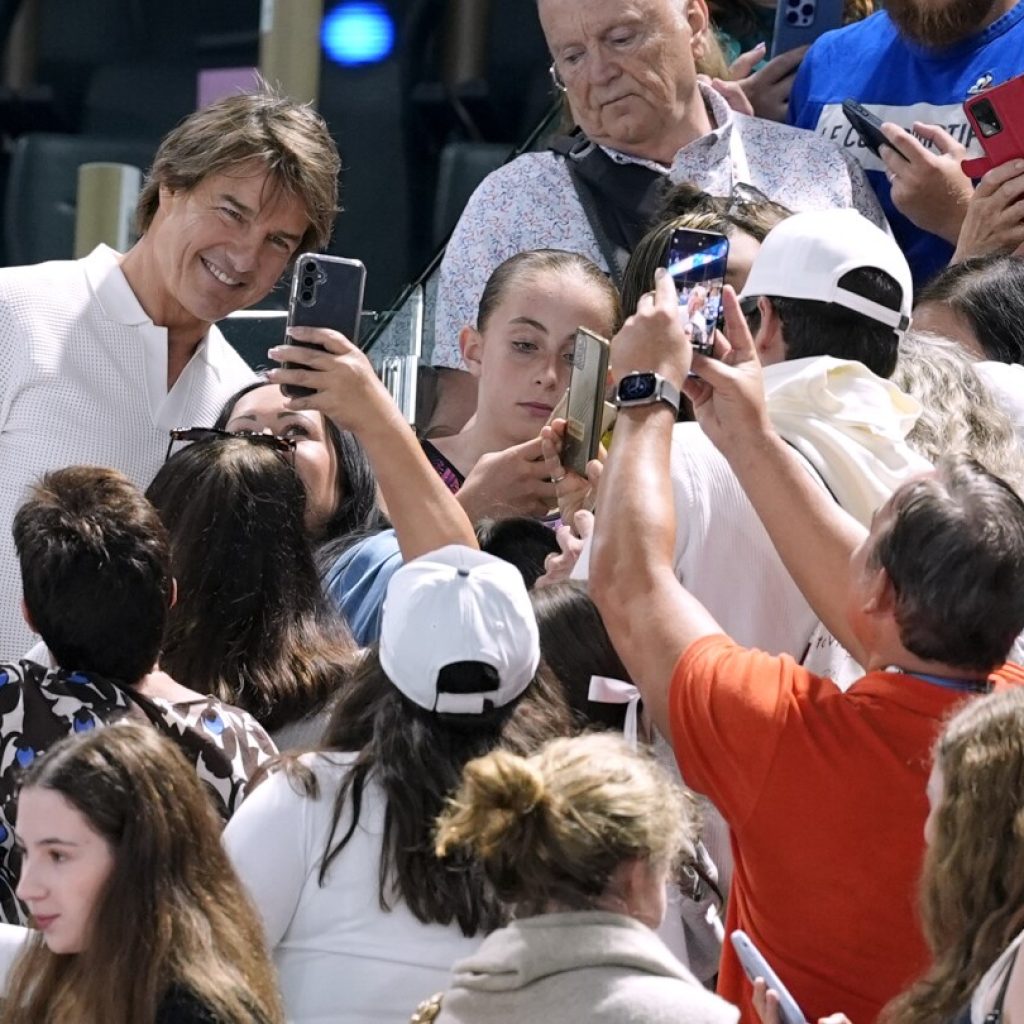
(38,707)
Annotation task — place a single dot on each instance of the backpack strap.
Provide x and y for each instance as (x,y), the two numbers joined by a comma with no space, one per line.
(621,200)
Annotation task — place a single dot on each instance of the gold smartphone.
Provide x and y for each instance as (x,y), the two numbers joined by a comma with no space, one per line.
(585,400)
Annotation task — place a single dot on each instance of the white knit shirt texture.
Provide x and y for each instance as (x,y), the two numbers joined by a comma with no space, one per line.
(83,381)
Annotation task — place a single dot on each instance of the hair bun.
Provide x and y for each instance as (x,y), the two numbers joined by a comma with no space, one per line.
(499,793)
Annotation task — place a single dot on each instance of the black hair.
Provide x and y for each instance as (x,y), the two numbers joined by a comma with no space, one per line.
(811,328)
(417,756)
(251,625)
(358,512)
(95,569)
(520,540)
(953,552)
(575,646)
(988,292)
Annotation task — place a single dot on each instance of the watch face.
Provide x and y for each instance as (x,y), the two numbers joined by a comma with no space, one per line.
(635,387)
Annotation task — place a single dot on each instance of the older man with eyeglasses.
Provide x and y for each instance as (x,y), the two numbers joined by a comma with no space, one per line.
(628,71)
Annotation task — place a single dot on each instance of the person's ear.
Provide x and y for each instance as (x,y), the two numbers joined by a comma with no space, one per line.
(771,348)
(26,615)
(699,20)
(471,344)
(880,594)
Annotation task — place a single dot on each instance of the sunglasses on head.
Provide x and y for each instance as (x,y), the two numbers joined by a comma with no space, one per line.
(187,435)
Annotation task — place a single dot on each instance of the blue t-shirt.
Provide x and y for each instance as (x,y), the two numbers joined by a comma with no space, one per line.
(358,580)
(900,82)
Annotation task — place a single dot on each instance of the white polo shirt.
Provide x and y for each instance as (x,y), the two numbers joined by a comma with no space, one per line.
(83,380)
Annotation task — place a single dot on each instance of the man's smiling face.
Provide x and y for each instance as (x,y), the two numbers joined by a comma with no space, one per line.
(224,244)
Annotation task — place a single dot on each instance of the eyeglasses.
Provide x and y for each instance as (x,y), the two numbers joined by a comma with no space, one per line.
(627,40)
(284,445)
(556,78)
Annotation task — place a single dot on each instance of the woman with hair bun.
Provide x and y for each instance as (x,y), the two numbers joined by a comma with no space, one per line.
(580,839)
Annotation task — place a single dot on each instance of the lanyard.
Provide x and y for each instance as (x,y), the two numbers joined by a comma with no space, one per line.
(948,682)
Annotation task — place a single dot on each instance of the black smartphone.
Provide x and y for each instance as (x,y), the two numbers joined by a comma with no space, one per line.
(800,22)
(585,404)
(868,127)
(327,291)
(697,261)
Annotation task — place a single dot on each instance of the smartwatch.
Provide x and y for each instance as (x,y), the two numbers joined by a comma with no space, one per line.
(638,388)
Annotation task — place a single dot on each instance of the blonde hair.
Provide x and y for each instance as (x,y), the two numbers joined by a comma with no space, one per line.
(959,415)
(551,829)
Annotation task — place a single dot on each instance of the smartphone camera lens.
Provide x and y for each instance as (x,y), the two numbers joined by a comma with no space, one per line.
(309,268)
(308,281)
(307,295)
(988,121)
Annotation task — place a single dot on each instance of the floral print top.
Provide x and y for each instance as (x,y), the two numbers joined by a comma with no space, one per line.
(39,706)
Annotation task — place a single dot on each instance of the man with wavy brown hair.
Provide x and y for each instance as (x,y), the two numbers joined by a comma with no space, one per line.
(100,357)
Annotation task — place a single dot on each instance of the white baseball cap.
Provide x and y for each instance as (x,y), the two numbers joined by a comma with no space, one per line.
(458,604)
(804,256)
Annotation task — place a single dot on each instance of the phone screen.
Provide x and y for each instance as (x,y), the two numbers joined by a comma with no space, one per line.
(697,261)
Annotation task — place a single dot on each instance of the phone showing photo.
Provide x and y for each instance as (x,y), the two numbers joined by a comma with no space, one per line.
(585,400)
(327,291)
(697,261)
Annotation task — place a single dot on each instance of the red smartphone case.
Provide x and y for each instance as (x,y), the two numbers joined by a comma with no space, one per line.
(1007,100)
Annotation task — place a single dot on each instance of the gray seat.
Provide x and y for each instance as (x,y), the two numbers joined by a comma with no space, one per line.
(463,166)
(39,211)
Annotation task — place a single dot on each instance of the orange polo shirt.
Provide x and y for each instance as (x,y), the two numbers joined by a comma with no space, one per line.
(824,793)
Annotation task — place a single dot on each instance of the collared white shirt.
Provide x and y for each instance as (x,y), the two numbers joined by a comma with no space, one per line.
(83,380)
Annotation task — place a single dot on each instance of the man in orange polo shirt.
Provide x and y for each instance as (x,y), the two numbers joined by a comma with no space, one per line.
(824,792)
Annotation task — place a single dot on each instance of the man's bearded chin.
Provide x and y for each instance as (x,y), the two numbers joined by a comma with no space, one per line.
(936,24)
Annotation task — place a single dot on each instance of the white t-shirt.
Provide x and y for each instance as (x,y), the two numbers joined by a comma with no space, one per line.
(83,381)
(340,958)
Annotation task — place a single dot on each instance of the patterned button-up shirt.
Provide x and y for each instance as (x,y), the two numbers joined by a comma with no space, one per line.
(531,202)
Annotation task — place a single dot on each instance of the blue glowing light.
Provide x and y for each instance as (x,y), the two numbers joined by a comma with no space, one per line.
(358,33)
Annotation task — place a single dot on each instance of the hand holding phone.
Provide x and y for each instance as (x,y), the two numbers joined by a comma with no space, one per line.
(327,291)
(868,127)
(755,966)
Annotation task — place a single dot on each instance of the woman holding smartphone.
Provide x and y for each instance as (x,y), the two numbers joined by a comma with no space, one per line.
(140,918)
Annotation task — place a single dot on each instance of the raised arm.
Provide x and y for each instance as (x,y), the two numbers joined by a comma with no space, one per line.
(813,535)
(424,512)
(650,617)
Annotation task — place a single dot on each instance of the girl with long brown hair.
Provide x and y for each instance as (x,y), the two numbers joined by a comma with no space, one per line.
(140,918)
